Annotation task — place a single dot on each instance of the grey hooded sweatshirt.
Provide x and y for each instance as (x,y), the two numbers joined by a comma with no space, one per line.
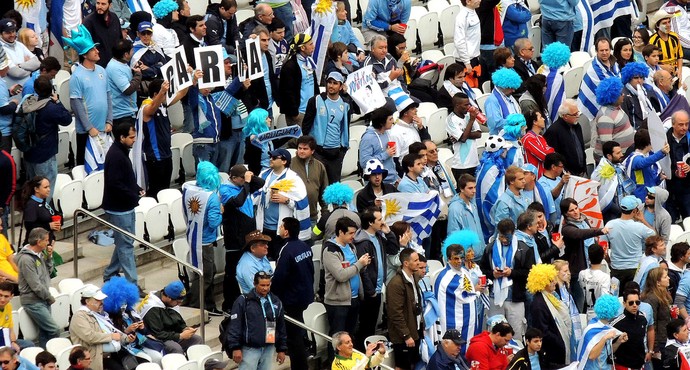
(662,219)
(34,277)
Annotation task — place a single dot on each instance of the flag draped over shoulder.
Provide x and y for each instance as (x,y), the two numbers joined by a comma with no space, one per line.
(555,90)
(587,98)
(600,14)
(419,209)
(290,185)
(136,155)
(96,149)
(490,186)
(194,201)
(323,20)
(594,332)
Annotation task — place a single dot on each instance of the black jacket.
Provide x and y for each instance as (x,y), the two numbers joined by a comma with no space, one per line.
(290,87)
(246,27)
(677,185)
(631,107)
(547,251)
(47,120)
(522,263)
(257,95)
(559,137)
(105,34)
(552,342)
(120,191)
(363,244)
(235,223)
(521,68)
(485,12)
(444,100)
(247,325)
(189,44)
(215,29)
(521,361)
(366,196)
(8,181)
(574,239)
(293,280)
(631,353)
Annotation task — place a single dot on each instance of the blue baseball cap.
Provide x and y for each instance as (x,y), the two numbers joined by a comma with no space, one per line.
(145,26)
(282,153)
(630,202)
(529,167)
(175,290)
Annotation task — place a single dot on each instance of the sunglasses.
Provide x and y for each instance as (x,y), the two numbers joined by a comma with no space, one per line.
(5,362)
(634,303)
(650,196)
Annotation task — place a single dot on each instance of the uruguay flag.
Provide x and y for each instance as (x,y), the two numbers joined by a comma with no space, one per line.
(457,301)
(490,186)
(323,20)
(139,5)
(194,200)
(587,99)
(594,332)
(555,90)
(96,149)
(600,14)
(419,209)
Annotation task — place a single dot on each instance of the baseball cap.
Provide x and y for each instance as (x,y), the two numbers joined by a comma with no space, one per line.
(630,202)
(7,25)
(282,153)
(651,190)
(145,26)
(455,336)
(335,75)
(175,290)
(238,170)
(528,167)
(95,293)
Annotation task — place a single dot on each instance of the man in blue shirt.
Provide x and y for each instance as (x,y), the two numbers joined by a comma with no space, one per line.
(553,180)
(87,88)
(413,182)
(512,202)
(123,83)
(298,82)
(253,260)
(377,240)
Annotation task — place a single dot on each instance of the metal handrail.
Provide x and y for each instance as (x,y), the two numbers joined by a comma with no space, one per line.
(81,211)
(327,337)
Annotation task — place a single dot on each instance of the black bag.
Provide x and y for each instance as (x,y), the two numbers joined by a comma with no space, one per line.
(24,130)
(128,360)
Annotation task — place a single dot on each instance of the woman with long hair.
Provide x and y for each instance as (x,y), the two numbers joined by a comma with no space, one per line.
(623,52)
(550,315)
(563,278)
(533,97)
(578,235)
(656,293)
(256,155)
(38,211)
(640,39)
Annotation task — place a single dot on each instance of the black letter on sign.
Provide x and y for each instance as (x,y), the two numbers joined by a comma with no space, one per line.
(209,64)
(169,77)
(181,69)
(254,59)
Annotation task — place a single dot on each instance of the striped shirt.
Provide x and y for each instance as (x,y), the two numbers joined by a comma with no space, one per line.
(612,124)
(671,49)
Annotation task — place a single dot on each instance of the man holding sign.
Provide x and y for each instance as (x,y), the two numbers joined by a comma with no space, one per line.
(261,95)
(298,74)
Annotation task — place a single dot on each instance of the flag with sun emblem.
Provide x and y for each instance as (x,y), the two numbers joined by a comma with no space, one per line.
(419,209)
(34,14)
(194,199)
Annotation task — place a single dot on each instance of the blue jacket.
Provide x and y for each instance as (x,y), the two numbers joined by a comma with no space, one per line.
(48,118)
(508,205)
(293,280)
(374,145)
(462,217)
(441,361)
(343,33)
(380,14)
(247,325)
(515,23)
(206,127)
(212,219)
(644,171)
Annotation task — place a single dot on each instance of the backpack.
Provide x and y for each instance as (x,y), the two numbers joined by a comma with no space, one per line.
(24,130)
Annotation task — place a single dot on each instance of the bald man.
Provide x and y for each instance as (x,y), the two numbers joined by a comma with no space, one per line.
(263,15)
(678,187)
(661,93)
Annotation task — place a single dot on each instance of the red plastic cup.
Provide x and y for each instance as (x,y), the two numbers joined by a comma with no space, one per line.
(604,245)
(391,144)
(556,236)
(404,26)
(56,218)
(482,280)
(674,311)
(679,171)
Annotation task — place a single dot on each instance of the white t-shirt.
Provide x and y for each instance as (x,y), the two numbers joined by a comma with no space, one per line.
(594,284)
(466,155)
(403,134)
(71,15)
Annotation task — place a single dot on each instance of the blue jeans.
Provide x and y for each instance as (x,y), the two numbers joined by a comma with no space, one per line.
(205,152)
(552,31)
(47,169)
(123,255)
(39,313)
(231,151)
(261,358)
(285,14)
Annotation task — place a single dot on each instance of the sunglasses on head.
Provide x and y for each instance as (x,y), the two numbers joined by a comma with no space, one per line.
(264,274)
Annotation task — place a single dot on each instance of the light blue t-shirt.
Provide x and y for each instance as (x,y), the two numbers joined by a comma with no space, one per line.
(684,288)
(335,116)
(548,185)
(648,216)
(267,80)
(247,267)
(119,78)
(352,259)
(5,119)
(307,88)
(626,242)
(91,86)
(534,361)
(271,213)
(379,262)
(600,363)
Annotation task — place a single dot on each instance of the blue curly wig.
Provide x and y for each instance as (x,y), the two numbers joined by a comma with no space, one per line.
(634,69)
(256,122)
(609,90)
(513,127)
(163,8)
(466,238)
(506,78)
(607,307)
(338,194)
(555,55)
(207,176)
(120,292)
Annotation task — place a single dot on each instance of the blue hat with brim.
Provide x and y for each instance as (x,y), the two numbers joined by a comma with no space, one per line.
(80,41)
(175,290)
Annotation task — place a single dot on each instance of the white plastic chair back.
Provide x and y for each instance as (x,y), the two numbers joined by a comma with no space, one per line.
(60,309)
(56,345)
(157,222)
(27,326)
(69,285)
(71,196)
(93,189)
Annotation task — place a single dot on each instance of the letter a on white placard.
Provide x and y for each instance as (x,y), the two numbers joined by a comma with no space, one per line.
(182,77)
(209,59)
(256,68)
(168,71)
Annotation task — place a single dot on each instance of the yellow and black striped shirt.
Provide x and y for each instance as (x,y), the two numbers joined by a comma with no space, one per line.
(671,49)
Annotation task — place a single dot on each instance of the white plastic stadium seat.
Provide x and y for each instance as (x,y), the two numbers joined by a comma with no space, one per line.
(243,14)
(173,198)
(350,159)
(60,309)
(427,28)
(75,297)
(447,21)
(578,58)
(56,345)
(316,318)
(449,48)
(27,326)
(30,353)
(434,265)
(437,125)
(70,198)
(172,360)
(572,79)
(63,357)
(148,366)
(157,222)
(69,285)
(176,155)
(433,55)
(63,148)
(437,5)
(93,189)
(79,172)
